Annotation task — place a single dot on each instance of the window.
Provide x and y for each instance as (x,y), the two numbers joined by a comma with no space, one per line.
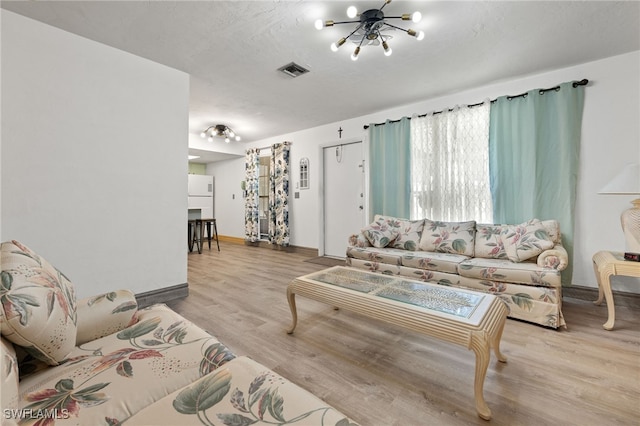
(304,173)
(450,165)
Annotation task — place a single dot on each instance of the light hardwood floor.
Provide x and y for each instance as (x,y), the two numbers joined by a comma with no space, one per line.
(378,374)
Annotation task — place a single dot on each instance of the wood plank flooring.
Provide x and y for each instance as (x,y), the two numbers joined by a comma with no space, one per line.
(379,374)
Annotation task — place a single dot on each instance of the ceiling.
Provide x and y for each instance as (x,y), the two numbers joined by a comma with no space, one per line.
(232,50)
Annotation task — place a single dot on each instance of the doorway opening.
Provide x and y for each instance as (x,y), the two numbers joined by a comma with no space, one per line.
(263,196)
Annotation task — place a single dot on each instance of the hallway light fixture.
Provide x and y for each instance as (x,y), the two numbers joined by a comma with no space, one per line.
(371,23)
(222,131)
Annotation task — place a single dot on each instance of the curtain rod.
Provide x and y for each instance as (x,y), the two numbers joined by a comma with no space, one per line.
(269,146)
(575,84)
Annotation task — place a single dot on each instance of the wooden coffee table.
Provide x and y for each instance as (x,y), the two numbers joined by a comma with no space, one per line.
(471,319)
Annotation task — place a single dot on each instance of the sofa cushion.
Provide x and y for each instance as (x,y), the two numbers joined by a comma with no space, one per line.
(38,309)
(449,237)
(443,262)
(105,314)
(389,256)
(379,233)
(8,376)
(373,266)
(409,234)
(526,240)
(553,230)
(108,380)
(489,243)
(242,392)
(504,270)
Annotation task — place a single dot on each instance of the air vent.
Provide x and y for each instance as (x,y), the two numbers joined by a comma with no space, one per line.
(293,70)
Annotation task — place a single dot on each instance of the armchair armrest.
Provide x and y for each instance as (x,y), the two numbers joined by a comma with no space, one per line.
(556,258)
(105,314)
(359,240)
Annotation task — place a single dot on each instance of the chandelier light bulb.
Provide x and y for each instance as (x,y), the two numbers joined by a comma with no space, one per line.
(238,138)
(231,134)
(354,55)
(203,134)
(420,35)
(210,138)
(336,45)
(319,24)
(227,140)
(352,12)
(416,17)
(387,49)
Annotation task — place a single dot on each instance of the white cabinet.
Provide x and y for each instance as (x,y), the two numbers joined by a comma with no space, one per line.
(200,192)
(200,186)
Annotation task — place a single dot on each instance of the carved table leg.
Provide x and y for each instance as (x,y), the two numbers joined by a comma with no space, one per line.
(603,276)
(291,297)
(480,346)
(496,341)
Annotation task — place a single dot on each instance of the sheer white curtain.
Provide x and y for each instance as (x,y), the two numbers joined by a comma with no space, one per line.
(450,165)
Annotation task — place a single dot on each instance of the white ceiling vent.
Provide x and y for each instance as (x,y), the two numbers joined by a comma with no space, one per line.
(293,70)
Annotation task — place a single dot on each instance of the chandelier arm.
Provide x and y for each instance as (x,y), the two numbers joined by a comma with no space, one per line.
(346,22)
(386,2)
(396,27)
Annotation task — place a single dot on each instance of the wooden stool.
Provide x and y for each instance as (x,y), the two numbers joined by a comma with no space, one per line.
(192,226)
(210,223)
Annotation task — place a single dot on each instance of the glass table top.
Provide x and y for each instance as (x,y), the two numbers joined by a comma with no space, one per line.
(430,296)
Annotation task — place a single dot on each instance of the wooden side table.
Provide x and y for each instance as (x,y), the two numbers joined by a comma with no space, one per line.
(606,264)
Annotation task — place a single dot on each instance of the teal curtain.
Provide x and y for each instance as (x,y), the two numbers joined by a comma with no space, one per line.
(390,168)
(534,147)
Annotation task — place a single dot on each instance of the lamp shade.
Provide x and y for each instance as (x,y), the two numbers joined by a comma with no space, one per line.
(625,182)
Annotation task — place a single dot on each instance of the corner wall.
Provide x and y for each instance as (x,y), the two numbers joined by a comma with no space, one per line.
(94,158)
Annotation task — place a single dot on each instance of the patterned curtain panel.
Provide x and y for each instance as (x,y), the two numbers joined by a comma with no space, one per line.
(251,201)
(279,194)
(534,147)
(390,168)
(450,165)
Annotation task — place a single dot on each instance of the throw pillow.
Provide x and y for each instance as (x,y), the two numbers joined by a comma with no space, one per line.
(38,309)
(379,233)
(489,243)
(449,237)
(527,240)
(409,233)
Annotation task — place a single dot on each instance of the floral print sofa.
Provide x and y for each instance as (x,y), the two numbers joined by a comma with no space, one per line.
(519,263)
(102,361)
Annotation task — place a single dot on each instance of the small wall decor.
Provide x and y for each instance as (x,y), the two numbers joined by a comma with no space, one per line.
(304,173)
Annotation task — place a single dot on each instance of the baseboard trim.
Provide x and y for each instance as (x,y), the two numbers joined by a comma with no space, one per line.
(228,239)
(162,295)
(308,251)
(620,298)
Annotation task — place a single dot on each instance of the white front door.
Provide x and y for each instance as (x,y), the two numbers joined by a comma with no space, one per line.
(344,200)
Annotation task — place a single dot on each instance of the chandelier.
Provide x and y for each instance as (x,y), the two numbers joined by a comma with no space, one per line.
(220,130)
(371,24)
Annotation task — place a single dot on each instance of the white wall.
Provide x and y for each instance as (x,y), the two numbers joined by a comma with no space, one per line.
(94,158)
(610,139)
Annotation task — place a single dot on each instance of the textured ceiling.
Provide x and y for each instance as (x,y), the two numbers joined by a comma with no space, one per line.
(232,50)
